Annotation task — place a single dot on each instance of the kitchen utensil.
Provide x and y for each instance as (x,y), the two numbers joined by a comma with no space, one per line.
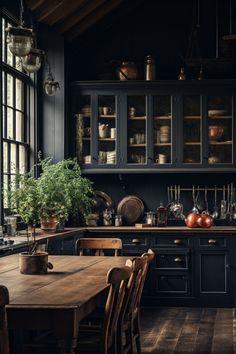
(178,207)
(213,159)
(216,112)
(107,217)
(150,218)
(206,211)
(102,201)
(228,202)
(103,130)
(204,220)
(131,208)
(194,209)
(215,213)
(191,219)
(215,132)
(127,71)
(223,205)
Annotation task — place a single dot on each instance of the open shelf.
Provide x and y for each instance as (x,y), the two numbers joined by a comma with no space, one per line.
(106,139)
(107,116)
(138,118)
(220,142)
(136,145)
(192,143)
(162,118)
(220,117)
(192,117)
(162,144)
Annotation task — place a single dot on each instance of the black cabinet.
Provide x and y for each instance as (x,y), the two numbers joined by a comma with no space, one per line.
(188,269)
(154,126)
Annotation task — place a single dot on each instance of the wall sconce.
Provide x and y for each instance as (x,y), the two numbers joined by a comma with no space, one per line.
(20,39)
(33,60)
(50,85)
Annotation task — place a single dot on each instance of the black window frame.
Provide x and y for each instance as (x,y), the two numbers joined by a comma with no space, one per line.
(30,114)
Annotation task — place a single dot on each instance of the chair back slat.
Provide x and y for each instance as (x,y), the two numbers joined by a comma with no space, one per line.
(96,246)
(4,300)
(118,279)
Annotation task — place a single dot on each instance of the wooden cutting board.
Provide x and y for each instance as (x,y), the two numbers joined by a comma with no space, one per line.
(131,208)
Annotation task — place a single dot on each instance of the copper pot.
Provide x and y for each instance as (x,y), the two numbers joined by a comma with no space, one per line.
(128,71)
(215,132)
(191,220)
(204,220)
(49,224)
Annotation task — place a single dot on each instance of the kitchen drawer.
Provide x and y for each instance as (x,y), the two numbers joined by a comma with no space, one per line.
(172,284)
(172,261)
(135,241)
(170,241)
(212,242)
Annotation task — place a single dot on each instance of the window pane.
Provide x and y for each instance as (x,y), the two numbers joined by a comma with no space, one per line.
(3,39)
(13,158)
(9,90)
(3,122)
(9,54)
(22,158)
(5,152)
(19,94)
(9,123)
(19,126)
(5,187)
(3,88)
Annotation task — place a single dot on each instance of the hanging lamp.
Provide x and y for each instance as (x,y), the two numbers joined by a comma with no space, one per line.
(33,60)
(20,39)
(50,85)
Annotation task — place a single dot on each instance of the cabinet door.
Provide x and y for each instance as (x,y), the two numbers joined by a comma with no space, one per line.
(83,130)
(220,130)
(136,114)
(107,131)
(162,131)
(192,125)
(214,271)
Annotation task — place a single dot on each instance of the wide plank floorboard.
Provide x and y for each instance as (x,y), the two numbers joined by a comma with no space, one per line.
(188,330)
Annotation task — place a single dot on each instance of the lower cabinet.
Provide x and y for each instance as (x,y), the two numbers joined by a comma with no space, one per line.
(188,270)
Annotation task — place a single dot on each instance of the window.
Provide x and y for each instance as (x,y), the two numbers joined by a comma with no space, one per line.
(17,89)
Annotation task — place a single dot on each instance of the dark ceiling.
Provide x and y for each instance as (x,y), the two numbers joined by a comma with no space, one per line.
(73,18)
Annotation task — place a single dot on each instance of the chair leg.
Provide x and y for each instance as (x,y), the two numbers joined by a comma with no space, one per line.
(129,341)
(136,332)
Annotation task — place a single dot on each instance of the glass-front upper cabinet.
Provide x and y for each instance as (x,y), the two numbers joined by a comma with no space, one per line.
(162,123)
(192,129)
(107,130)
(83,130)
(137,129)
(220,130)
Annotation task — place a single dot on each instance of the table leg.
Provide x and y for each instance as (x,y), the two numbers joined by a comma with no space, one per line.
(67,345)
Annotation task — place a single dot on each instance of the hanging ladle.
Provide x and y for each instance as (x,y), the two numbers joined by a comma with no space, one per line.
(215,213)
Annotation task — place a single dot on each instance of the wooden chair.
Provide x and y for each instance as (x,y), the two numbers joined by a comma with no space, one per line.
(105,340)
(4,300)
(96,246)
(129,320)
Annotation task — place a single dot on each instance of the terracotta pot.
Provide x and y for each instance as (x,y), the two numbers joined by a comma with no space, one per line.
(36,263)
(49,224)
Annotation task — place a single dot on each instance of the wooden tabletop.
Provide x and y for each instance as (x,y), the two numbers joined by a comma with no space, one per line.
(58,300)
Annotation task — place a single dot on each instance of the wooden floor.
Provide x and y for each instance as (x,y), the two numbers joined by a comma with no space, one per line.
(188,330)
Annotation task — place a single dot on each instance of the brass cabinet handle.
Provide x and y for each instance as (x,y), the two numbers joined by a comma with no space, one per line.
(178,260)
(177,242)
(212,241)
(136,241)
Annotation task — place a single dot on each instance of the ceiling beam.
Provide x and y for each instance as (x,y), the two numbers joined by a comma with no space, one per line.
(34,5)
(77,17)
(93,18)
(51,7)
(67,9)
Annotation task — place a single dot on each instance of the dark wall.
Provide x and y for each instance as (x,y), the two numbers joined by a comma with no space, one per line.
(161,28)
(152,188)
(52,108)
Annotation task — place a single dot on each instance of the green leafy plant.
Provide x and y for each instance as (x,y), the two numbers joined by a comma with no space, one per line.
(60,190)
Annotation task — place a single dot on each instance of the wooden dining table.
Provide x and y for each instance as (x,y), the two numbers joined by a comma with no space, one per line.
(59,300)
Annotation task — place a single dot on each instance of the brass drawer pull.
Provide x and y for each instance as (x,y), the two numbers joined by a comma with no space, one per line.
(178,260)
(177,242)
(136,241)
(212,241)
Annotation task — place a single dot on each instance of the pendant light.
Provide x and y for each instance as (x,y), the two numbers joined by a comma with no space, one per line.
(20,39)
(50,85)
(33,60)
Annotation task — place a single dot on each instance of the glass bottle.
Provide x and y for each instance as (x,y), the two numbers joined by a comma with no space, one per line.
(150,68)
(118,220)
(182,75)
(161,215)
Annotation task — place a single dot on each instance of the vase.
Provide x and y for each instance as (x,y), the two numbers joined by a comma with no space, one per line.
(49,224)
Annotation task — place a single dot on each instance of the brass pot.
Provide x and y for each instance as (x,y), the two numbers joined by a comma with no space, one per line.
(215,132)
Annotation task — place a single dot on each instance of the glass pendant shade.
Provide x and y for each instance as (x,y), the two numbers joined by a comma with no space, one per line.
(51,87)
(33,60)
(20,40)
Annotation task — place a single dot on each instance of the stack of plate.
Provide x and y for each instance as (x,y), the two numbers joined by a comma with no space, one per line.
(111,157)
